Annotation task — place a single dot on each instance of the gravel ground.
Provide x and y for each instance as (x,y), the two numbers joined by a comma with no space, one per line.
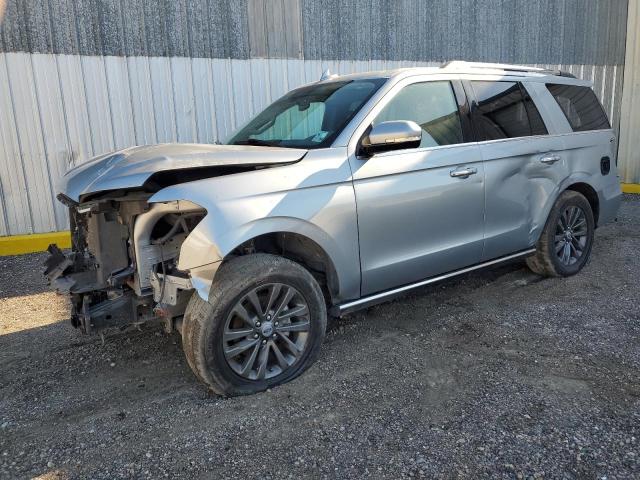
(498,374)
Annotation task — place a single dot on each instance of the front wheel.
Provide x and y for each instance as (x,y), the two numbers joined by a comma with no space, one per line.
(565,244)
(262,326)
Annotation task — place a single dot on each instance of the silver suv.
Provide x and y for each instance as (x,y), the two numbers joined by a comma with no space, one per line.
(341,194)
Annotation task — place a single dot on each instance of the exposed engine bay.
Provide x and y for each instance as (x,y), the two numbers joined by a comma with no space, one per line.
(122,268)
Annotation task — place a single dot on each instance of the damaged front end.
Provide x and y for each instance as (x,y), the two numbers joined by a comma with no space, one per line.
(122,267)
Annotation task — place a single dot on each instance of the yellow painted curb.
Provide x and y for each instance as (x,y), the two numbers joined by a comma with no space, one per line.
(37,242)
(631,187)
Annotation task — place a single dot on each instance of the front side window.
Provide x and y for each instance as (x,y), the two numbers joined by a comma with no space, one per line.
(432,105)
(581,107)
(504,110)
(309,117)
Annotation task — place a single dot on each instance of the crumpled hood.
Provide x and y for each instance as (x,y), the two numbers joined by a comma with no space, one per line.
(132,167)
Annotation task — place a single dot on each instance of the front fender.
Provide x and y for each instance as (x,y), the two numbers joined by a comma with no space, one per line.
(313,198)
(204,248)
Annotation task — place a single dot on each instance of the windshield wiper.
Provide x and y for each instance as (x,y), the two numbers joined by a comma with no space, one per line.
(257,142)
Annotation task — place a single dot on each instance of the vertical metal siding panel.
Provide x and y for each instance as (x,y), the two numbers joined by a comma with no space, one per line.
(362,26)
(241,75)
(16,216)
(629,153)
(183,99)
(274,27)
(54,127)
(235,19)
(257,29)
(4,227)
(292,28)
(37,24)
(163,106)
(607,88)
(95,84)
(295,69)
(155,28)
(110,27)
(176,20)
(260,90)
(12,34)
(330,36)
(309,12)
(222,91)
(86,17)
(488,44)
(567,53)
(204,100)
(30,137)
(278,78)
(120,102)
(349,31)
(75,109)
(618,43)
(199,31)
(312,70)
(618,101)
(598,82)
(134,25)
(141,100)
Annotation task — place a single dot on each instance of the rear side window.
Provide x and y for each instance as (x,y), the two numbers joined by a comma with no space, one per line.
(505,110)
(581,107)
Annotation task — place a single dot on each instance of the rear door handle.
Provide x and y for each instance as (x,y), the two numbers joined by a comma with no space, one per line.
(550,159)
(463,172)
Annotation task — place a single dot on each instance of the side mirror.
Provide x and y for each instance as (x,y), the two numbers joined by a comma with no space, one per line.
(393,135)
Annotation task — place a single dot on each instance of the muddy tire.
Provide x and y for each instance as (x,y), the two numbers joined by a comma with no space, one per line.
(565,243)
(263,325)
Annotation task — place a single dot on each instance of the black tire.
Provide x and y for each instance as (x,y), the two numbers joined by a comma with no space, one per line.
(205,322)
(551,264)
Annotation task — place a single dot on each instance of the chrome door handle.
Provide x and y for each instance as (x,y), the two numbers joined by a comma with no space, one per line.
(463,172)
(550,159)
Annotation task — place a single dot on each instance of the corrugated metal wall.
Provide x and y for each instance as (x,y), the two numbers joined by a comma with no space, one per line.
(80,78)
(629,153)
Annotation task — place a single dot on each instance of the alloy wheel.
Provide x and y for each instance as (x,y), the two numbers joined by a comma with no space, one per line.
(266,331)
(571,235)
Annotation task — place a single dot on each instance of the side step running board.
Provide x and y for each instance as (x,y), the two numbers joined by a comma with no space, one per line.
(374,299)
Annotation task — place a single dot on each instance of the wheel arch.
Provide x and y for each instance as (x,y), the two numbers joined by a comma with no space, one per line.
(299,248)
(590,194)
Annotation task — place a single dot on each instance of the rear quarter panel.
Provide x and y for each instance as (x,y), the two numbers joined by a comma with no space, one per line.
(582,154)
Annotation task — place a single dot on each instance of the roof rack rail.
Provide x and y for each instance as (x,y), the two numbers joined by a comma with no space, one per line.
(453,64)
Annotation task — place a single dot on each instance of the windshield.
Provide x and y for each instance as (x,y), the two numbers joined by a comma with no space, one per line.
(309,117)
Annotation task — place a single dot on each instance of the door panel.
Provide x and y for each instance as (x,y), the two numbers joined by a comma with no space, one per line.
(415,219)
(523,164)
(519,186)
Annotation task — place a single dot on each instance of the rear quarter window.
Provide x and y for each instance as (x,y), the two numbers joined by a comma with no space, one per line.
(581,107)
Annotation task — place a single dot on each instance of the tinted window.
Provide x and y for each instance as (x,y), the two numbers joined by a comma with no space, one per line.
(432,105)
(505,110)
(581,107)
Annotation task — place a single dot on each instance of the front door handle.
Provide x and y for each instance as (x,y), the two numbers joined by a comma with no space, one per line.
(550,159)
(464,172)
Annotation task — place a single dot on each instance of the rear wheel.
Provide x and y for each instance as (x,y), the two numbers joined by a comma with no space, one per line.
(565,244)
(262,326)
